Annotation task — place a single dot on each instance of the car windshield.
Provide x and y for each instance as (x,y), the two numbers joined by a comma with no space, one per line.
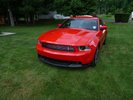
(90,24)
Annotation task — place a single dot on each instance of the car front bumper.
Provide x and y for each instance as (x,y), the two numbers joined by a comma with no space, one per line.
(64,59)
(60,63)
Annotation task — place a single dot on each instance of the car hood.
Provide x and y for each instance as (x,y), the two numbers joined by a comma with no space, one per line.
(68,36)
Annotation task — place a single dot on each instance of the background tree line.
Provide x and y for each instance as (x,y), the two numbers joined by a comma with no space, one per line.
(13,9)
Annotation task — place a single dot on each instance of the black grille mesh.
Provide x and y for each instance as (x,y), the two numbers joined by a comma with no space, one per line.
(58,47)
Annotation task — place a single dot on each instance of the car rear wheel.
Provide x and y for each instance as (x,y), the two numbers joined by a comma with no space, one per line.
(104,42)
(94,62)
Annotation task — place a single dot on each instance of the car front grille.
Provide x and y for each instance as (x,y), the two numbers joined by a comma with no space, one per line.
(58,47)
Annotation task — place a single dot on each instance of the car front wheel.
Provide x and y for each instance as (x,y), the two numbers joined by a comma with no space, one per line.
(94,62)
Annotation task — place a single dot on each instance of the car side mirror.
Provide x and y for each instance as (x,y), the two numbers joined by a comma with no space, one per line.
(59,25)
(103,28)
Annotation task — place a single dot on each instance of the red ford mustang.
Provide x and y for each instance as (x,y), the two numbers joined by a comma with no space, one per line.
(75,43)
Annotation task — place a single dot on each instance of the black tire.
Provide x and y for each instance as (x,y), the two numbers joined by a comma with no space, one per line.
(104,42)
(94,62)
(40,58)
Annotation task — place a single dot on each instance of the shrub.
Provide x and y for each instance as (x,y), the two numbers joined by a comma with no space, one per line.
(122,18)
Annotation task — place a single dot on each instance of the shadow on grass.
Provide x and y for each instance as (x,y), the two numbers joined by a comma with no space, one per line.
(68,68)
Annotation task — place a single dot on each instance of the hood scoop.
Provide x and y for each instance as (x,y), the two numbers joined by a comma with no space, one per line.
(69,38)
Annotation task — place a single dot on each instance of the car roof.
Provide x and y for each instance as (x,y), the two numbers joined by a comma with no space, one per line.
(85,16)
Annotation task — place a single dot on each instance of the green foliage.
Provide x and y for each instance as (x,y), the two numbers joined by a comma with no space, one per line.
(36,6)
(112,6)
(29,8)
(130,7)
(9,4)
(121,17)
(75,7)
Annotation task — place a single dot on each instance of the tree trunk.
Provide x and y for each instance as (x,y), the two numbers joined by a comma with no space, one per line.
(11,17)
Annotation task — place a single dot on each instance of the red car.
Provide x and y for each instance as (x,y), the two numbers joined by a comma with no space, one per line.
(75,43)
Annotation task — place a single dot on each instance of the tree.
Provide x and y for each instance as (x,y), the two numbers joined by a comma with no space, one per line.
(113,6)
(27,8)
(30,8)
(130,7)
(7,6)
(75,7)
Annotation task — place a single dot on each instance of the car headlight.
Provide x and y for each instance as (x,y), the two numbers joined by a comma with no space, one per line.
(83,48)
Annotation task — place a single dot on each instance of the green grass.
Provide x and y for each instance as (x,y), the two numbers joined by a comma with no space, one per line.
(23,77)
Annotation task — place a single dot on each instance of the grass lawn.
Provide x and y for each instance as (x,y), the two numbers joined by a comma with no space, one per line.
(23,77)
